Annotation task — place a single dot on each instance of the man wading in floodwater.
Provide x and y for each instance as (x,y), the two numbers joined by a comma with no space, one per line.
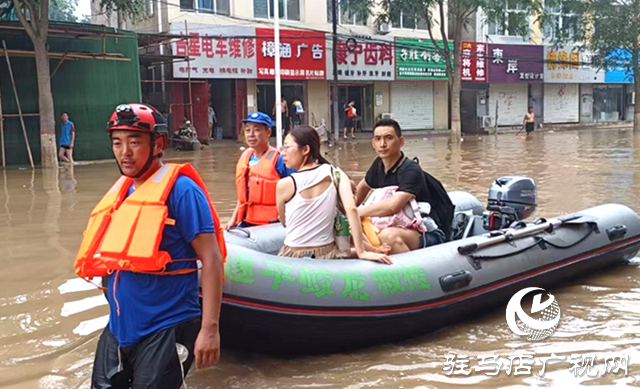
(529,121)
(151,227)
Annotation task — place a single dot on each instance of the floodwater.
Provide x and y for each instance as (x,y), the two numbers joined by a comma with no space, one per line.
(50,320)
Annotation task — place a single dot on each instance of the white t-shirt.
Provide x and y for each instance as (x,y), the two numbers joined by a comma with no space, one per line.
(212,113)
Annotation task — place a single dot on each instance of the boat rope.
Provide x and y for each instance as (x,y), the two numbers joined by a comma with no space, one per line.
(538,241)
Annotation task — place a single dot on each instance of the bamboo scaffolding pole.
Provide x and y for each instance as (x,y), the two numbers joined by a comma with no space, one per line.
(15,91)
(4,164)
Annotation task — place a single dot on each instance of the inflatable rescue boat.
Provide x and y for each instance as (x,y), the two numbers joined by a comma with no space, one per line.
(289,305)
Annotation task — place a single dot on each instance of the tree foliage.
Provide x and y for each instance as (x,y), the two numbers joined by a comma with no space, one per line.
(34,16)
(63,10)
(609,29)
(133,9)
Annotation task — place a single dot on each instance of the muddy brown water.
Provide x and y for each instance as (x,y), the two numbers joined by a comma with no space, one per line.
(50,320)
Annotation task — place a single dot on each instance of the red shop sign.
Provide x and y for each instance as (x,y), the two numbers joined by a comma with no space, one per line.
(473,61)
(302,54)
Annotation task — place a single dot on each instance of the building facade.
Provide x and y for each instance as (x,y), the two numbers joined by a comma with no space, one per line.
(393,70)
(560,83)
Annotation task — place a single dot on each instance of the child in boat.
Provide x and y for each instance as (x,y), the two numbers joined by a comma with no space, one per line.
(308,201)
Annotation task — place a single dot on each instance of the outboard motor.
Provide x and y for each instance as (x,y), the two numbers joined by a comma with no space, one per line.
(511,199)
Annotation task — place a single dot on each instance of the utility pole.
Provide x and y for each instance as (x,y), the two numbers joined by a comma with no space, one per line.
(334,90)
(276,39)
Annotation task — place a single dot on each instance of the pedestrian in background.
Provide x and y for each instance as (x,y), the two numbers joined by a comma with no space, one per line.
(67,139)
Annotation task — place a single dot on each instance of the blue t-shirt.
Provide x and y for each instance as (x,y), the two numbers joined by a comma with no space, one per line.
(281,168)
(65,136)
(149,303)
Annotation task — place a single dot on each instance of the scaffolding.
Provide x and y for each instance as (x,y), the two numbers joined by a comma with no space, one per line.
(55,31)
(149,57)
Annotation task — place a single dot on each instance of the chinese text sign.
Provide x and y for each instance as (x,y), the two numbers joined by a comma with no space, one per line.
(302,54)
(418,59)
(515,63)
(215,51)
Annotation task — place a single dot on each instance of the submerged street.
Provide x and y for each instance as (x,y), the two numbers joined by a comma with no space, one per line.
(50,319)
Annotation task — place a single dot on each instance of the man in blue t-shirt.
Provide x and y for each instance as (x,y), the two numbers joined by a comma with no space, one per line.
(261,209)
(152,315)
(67,139)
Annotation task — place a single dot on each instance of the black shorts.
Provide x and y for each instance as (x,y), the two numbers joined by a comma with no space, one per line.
(432,238)
(348,123)
(151,363)
(530,127)
(65,147)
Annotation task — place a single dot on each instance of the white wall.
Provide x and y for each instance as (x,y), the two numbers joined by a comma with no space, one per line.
(313,15)
(512,103)
(586,103)
(561,103)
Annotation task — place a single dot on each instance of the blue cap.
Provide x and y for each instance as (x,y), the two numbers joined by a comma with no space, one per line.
(259,117)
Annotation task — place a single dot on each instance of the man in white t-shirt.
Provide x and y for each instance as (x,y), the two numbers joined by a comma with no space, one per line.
(212,121)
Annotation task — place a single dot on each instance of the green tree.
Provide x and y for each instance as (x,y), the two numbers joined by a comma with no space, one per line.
(62,10)
(34,15)
(458,14)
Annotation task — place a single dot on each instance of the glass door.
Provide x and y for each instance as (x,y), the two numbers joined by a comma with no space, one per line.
(367,112)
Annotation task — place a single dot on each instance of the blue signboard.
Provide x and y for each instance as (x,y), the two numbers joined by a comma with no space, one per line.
(619,74)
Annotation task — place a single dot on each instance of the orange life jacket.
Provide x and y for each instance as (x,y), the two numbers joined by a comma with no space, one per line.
(259,180)
(126,231)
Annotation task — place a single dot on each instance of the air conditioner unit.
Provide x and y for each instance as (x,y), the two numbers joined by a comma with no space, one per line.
(387,116)
(384,28)
(488,122)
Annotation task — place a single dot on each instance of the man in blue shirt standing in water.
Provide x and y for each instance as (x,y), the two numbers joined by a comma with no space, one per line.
(67,139)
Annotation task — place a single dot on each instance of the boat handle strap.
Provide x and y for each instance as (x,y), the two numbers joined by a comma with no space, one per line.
(246,232)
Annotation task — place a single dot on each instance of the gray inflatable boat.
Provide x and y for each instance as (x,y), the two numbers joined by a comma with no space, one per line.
(288,305)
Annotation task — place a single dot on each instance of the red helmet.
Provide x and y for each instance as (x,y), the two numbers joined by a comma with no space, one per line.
(138,117)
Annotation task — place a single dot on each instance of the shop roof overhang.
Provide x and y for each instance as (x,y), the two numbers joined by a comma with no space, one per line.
(152,59)
(70,30)
(68,56)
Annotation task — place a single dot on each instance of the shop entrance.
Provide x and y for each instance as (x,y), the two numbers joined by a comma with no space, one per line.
(362,95)
(608,103)
(291,90)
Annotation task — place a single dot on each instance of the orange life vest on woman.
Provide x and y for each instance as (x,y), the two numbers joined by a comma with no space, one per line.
(259,181)
(127,230)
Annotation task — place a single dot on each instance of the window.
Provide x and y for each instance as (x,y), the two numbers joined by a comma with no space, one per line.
(408,17)
(409,21)
(187,5)
(148,7)
(346,15)
(509,25)
(220,7)
(289,9)
(560,21)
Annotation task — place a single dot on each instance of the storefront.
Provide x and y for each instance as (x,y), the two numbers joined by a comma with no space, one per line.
(609,103)
(291,90)
(569,79)
(614,101)
(225,63)
(240,70)
(302,58)
(365,67)
(420,75)
(516,75)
